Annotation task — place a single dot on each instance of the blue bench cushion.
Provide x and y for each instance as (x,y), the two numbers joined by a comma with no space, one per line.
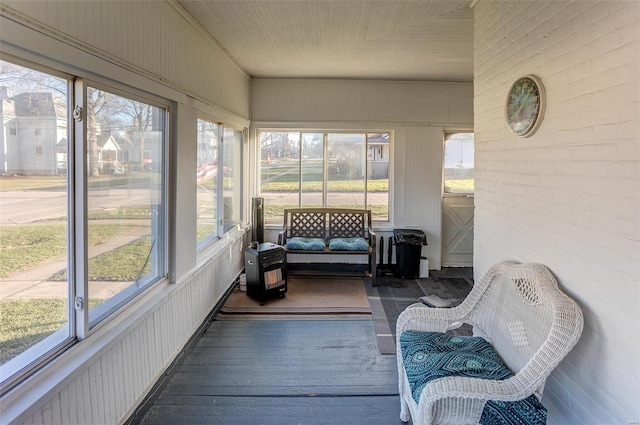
(305,244)
(348,244)
(432,355)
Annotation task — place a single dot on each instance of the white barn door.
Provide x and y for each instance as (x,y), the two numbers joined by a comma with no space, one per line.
(457,200)
(457,231)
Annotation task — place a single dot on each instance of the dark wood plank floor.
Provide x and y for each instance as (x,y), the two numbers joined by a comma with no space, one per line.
(262,372)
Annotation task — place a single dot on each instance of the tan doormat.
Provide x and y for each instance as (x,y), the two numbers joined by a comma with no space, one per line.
(306,296)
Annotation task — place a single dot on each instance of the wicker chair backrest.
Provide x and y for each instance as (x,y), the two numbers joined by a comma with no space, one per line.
(524,315)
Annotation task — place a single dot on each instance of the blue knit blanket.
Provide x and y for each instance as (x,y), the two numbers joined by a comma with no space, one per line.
(432,355)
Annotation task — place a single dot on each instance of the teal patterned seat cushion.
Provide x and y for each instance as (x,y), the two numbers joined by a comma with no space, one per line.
(432,355)
(348,244)
(305,244)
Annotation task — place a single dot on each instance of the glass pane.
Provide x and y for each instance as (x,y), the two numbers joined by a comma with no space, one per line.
(207,180)
(378,153)
(347,164)
(232,183)
(125,199)
(34,297)
(312,178)
(458,163)
(279,172)
(352,160)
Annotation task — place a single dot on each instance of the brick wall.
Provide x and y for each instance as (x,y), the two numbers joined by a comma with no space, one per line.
(569,196)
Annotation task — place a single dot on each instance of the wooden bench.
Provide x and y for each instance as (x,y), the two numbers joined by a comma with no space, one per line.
(329,229)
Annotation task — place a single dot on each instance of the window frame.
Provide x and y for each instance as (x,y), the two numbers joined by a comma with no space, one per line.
(204,245)
(129,294)
(326,132)
(239,156)
(210,239)
(78,326)
(445,138)
(43,352)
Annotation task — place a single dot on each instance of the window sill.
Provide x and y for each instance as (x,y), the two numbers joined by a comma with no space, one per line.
(212,249)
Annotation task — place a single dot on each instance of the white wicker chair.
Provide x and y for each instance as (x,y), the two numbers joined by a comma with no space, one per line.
(520,311)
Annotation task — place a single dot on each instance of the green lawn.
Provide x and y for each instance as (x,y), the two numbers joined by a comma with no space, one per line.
(122,213)
(127,263)
(278,210)
(24,323)
(334,186)
(461,186)
(60,182)
(26,247)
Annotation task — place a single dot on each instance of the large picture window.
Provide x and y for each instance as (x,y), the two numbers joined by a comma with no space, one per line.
(324,169)
(83,223)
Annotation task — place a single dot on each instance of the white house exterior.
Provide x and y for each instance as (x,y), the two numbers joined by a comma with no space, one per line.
(32,127)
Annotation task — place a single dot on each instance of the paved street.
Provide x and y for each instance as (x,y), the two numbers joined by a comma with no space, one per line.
(21,207)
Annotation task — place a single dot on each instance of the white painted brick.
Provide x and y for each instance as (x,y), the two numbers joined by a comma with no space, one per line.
(569,195)
(555,390)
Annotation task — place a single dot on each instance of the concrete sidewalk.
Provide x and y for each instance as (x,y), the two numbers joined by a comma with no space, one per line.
(35,283)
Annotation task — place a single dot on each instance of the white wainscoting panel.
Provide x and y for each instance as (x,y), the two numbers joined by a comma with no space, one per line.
(106,389)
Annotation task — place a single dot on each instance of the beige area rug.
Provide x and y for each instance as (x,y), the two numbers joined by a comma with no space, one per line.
(305,296)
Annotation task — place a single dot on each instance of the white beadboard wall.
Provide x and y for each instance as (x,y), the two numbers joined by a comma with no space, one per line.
(569,196)
(157,39)
(115,380)
(417,113)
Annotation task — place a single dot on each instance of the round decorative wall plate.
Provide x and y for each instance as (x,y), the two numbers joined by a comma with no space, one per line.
(525,105)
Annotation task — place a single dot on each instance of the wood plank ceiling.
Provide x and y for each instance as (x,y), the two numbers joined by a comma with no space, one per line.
(368,39)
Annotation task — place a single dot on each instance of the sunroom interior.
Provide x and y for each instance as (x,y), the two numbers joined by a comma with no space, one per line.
(204,101)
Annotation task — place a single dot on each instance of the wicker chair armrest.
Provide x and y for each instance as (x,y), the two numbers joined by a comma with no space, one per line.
(464,398)
(422,318)
(484,389)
